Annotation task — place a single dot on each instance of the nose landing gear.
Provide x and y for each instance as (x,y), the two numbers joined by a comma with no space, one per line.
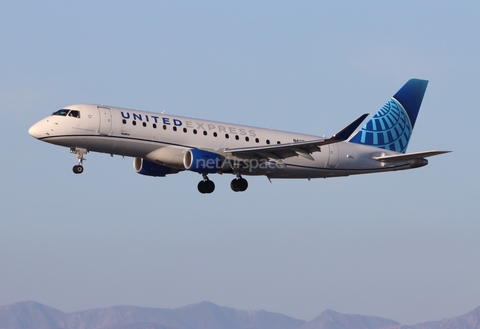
(78,169)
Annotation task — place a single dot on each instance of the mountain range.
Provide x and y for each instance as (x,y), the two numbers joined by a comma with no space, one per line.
(204,315)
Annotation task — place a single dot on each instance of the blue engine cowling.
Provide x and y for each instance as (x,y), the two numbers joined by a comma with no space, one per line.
(145,167)
(203,161)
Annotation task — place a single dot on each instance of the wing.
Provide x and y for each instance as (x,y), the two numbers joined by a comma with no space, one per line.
(287,150)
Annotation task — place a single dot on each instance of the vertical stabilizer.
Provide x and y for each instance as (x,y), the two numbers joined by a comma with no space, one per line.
(391,127)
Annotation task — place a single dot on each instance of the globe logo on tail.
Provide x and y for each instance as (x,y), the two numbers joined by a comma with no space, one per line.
(390,128)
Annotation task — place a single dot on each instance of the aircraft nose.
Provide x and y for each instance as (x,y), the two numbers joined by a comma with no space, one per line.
(34,131)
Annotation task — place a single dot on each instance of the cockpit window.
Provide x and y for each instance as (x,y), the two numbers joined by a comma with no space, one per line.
(65,112)
(74,113)
(62,112)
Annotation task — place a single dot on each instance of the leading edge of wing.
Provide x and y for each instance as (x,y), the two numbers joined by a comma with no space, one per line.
(303,149)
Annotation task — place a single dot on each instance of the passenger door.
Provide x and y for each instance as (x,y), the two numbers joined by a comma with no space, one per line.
(105,127)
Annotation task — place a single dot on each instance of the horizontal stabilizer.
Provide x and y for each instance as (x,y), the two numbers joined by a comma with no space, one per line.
(409,156)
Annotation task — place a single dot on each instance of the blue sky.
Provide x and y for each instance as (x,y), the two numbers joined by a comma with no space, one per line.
(399,245)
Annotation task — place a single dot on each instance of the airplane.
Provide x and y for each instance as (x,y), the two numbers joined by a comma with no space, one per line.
(164,144)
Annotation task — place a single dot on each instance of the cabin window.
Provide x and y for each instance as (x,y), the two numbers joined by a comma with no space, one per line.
(257,140)
(236,137)
(144,124)
(124,121)
(184,130)
(205,132)
(226,136)
(195,131)
(134,123)
(278,142)
(174,128)
(215,134)
(164,127)
(268,141)
(154,126)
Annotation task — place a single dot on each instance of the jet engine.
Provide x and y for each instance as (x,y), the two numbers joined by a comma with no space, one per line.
(145,167)
(203,161)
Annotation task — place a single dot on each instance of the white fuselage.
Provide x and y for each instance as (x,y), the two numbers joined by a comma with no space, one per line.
(137,134)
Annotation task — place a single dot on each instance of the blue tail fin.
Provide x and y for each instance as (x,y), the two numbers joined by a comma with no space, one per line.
(392,126)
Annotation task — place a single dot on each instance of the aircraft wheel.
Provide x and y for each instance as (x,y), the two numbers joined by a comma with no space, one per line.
(242,184)
(239,184)
(233,185)
(206,186)
(210,186)
(201,187)
(77,169)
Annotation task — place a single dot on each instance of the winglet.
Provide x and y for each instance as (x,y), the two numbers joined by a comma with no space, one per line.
(346,132)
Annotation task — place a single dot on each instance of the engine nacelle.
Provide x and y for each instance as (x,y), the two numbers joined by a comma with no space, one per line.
(169,156)
(203,161)
(147,168)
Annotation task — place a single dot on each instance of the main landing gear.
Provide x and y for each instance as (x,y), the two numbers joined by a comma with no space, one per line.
(78,169)
(206,186)
(239,184)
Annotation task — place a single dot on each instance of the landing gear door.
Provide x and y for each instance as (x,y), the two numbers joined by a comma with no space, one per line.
(105,127)
(333,155)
